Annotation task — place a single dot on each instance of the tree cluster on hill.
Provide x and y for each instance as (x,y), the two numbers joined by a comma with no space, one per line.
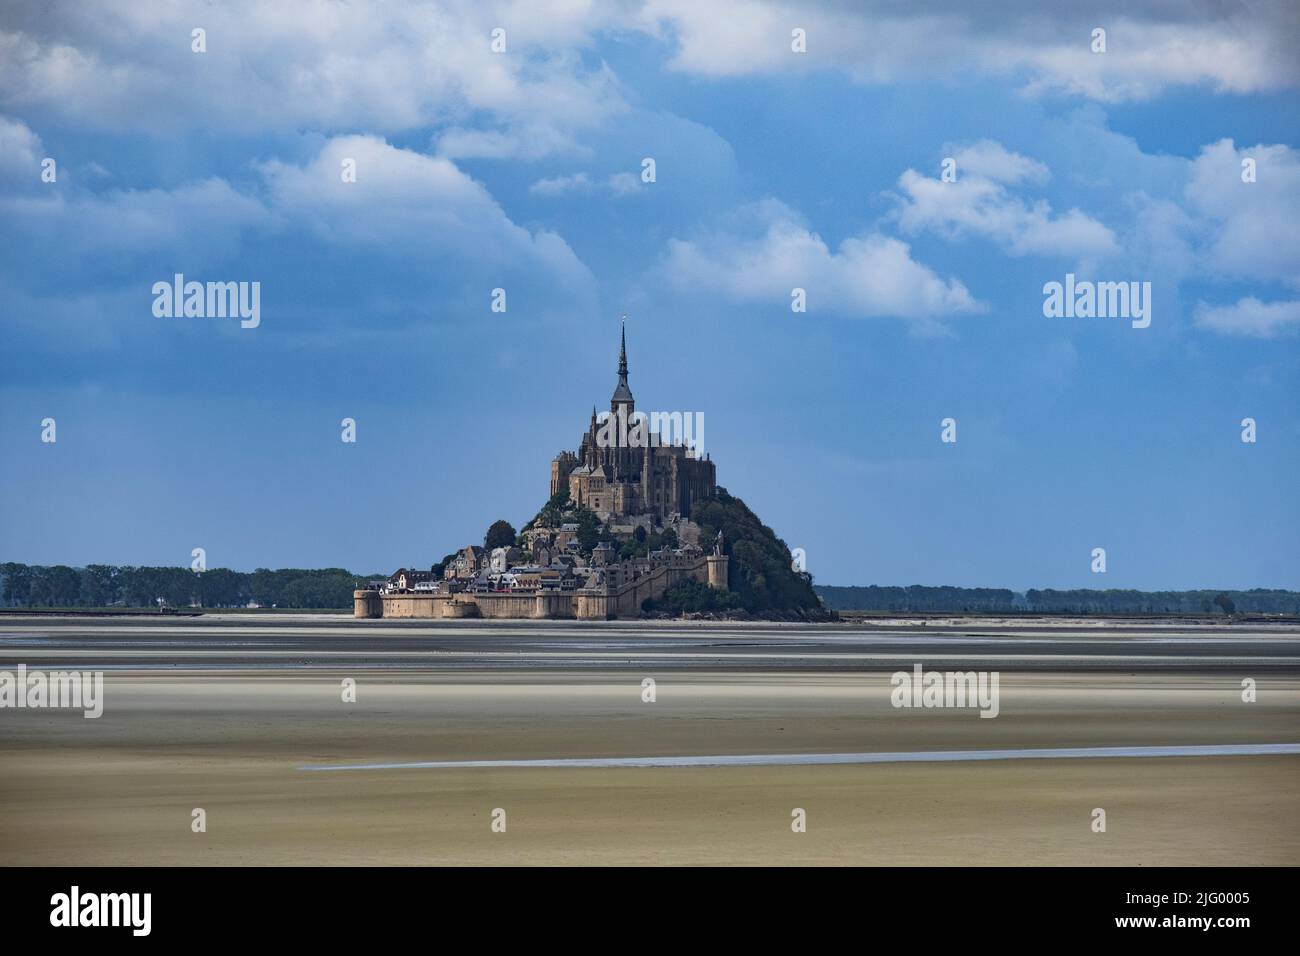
(559,510)
(552,513)
(501,534)
(643,542)
(440,567)
(917,598)
(591,530)
(761,576)
(103,585)
(689,596)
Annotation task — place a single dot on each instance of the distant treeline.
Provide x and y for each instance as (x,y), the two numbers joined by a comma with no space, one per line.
(103,585)
(1048,601)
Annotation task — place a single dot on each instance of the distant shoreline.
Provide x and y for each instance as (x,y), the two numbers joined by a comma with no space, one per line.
(940,619)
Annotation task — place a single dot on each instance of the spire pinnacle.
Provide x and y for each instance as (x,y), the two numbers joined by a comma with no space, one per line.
(622,351)
(622,394)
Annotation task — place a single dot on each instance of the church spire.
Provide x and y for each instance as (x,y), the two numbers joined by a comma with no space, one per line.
(622,394)
(622,353)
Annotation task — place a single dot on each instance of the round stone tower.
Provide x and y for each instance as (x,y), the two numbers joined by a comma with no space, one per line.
(718,571)
(718,564)
(367,603)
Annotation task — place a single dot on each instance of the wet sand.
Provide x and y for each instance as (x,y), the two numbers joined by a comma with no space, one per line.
(120,789)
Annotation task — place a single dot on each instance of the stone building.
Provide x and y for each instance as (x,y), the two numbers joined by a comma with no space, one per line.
(631,480)
(623,471)
(467,564)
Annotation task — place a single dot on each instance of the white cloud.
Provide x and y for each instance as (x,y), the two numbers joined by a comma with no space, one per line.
(765,251)
(979,203)
(1253,227)
(991,160)
(20,150)
(119,64)
(416,206)
(1239,50)
(1249,51)
(123,231)
(1178,220)
(561,185)
(524,142)
(624,184)
(387,67)
(420,221)
(618,184)
(1250,316)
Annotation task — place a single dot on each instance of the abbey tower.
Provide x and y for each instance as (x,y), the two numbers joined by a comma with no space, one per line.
(621,469)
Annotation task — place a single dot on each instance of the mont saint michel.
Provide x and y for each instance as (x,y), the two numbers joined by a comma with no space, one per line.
(616,534)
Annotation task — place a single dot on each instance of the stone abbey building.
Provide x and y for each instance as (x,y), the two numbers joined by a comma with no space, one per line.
(626,469)
(635,480)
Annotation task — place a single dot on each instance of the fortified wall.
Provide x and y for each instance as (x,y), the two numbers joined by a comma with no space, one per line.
(585,604)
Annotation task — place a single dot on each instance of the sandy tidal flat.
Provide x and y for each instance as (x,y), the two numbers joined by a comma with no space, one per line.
(121,789)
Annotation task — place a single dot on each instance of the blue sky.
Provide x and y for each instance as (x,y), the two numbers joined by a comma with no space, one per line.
(774,169)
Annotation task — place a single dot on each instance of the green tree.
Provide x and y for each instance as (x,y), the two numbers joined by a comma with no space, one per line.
(760,571)
(500,535)
(39,594)
(552,513)
(18,583)
(589,529)
(266,588)
(99,585)
(64,586)
(221,587)
(689,596)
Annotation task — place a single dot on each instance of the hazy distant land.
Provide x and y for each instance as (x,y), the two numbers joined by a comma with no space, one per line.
(125,588)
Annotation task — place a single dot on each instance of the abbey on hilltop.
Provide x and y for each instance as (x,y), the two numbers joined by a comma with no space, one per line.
(615,533)
(626,468)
